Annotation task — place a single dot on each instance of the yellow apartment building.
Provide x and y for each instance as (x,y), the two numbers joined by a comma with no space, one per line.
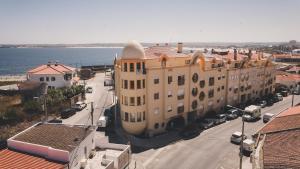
(161,87)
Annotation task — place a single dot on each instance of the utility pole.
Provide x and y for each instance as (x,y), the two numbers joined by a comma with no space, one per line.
(45,107)
(92,112)
(292,98)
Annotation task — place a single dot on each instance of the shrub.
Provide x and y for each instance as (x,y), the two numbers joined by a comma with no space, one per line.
(32,107)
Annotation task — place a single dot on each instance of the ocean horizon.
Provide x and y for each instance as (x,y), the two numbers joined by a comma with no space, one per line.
(16,61)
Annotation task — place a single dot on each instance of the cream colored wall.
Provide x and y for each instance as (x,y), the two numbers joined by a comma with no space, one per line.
(176,66)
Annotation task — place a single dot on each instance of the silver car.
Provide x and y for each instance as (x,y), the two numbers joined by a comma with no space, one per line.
(236,137)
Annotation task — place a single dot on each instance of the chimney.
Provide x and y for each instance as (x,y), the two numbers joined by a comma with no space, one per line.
(56,63)
(179,47)
(49,63)
(235,54)
(249,54)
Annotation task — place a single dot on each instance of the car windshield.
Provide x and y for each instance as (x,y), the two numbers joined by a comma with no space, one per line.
(236,135)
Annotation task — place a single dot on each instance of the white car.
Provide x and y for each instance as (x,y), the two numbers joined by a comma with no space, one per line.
(248,145)
(80,105)
(236,137)
(267,117)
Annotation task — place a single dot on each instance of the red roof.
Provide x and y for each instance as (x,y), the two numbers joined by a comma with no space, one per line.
(51,69)
(15,160)
(287,77)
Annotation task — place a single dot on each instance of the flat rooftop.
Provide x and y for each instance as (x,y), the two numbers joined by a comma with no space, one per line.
(58,136)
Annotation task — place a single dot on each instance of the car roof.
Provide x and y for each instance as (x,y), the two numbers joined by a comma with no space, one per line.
(237,133)
(248,141)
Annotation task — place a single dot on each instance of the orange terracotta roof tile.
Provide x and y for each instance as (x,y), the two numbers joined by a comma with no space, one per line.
(282,150)
(51,69)
(291,111)
(287,77)
(10,159)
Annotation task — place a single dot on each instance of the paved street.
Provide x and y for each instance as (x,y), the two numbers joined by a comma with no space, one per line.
(210,150)
(101,97)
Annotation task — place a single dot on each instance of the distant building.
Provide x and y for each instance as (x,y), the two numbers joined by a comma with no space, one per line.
(292,57)
(161,87)
(56,75)
(278,142)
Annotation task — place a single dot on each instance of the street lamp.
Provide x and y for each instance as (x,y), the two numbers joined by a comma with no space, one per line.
(243,127)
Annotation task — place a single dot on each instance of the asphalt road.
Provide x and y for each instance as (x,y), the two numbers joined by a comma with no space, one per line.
(210,150)
(101,97)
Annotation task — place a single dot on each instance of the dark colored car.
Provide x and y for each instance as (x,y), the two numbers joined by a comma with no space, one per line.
(221,118)
(205,123)
(232,114)
(270,102)
(67,113)
(55,121)
(190,131)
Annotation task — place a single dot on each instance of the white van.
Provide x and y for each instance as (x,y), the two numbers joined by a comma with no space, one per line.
(252,113)
(267,117)
(102,122)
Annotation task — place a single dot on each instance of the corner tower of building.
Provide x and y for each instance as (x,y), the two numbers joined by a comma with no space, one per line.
(131,89)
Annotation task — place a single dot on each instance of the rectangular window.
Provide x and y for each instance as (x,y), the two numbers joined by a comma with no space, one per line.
(219,78)
(223,87)
(126,100)
(156,80)
(126,116)
(211,81)
(47,79)
(132,100)
(125,84)
(132,118)
(125,67)
(138,67)
(180,94)
(169,108)
(170,79)
(131,84)
(211,93)
(144,116)
(139,117)
(180,109)
(181,80)
(138,101)
(144,84)
(131,67)
(52,78)
(169,93)
(138,84)
(41,79)
(156,96)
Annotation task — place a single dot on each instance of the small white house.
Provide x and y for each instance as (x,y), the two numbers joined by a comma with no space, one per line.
(56,75)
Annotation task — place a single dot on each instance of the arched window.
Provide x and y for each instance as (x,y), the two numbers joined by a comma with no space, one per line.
(201,96)
(194,104)
(194,91)
(195,78)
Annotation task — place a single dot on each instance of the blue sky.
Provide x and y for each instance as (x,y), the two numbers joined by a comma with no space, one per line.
(104,21)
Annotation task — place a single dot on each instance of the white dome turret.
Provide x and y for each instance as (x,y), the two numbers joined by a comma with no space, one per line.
(133,50)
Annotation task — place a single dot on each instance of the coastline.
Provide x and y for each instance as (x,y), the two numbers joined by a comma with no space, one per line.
(19,77)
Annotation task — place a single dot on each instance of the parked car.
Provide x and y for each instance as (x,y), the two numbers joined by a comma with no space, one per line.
(248,146)
(279,96)
(236,137)
(80,106)
(190,131)
(221,118)
(67,113)
(55,121)
(284,93)
(232,114)
(205,123)
(267,117)
(89,90)
(270,102)
(262,103)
